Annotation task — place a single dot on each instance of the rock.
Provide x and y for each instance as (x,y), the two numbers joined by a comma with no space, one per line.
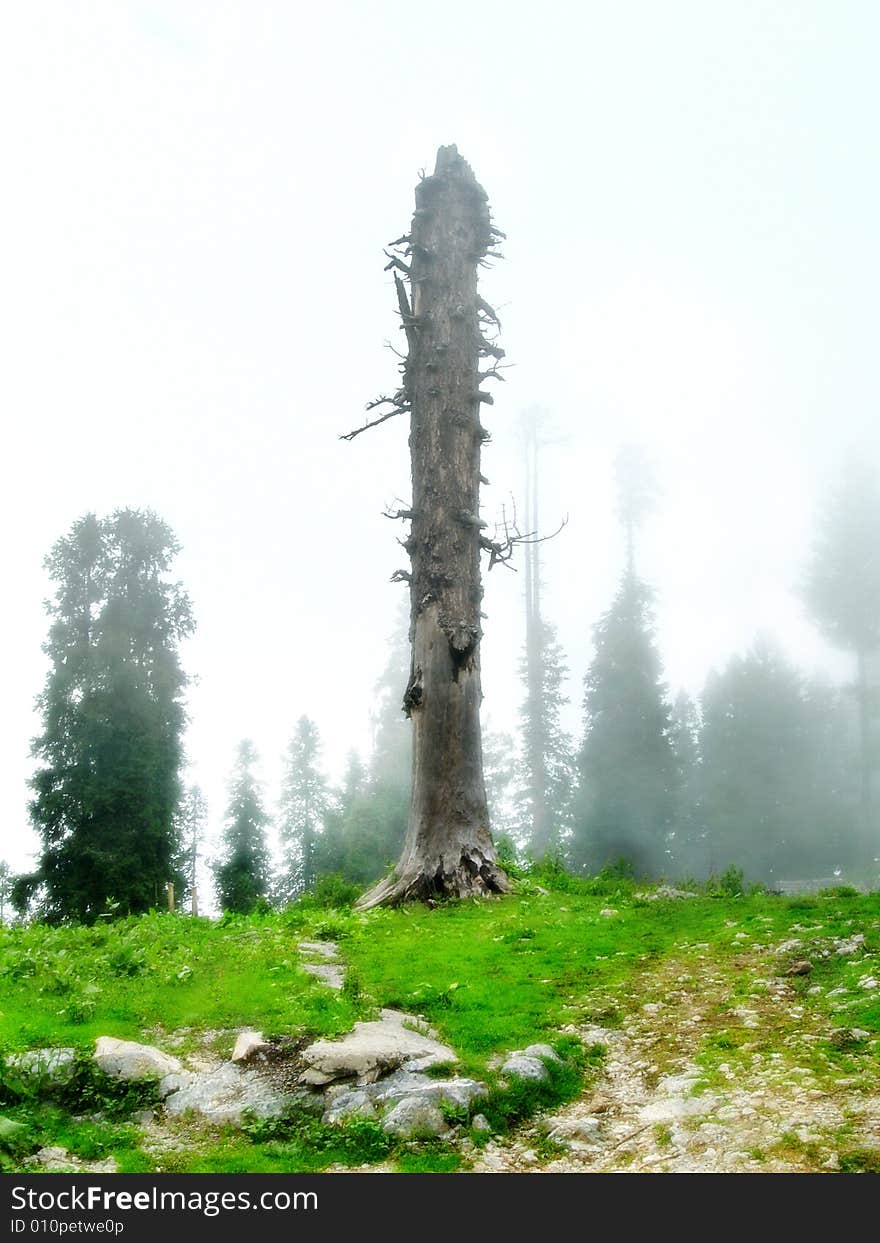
(174,1082)
(57,1160)
(850,945)
(403,1086)
(221,1096)
(370,1050)
(124,1059)
(48,1066)
(328,973)
(531,1068)
(248,1045)
(869,982)
(785,947)
(568,1130)
(12,1134)
(668,892)
(350,1105)
(801,967)
(607,912)
(542,1050)
(481,1123)
(859,1034)
(323,949)
(413,1118)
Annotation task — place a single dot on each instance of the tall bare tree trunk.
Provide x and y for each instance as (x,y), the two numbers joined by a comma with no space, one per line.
(448,848)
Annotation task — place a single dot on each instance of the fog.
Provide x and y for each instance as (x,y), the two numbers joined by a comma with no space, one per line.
(195,308)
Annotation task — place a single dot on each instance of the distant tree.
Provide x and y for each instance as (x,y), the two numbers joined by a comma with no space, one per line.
(637,493)
(107,784)
(687,845)
(242,873)
(544,767)
(499,768)
(6,883)
(191,822)
(842,591)
(304,803)
(391,760)
(627,773)
(774,765)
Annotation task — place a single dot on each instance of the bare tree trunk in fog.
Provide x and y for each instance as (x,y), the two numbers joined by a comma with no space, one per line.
(448,849)
(541,829)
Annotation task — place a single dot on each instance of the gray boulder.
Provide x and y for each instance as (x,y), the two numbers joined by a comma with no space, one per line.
(542,1051)
(522,1067)
(223,1095)
(124,1059)
(413,1118)
(403,1085)
(350,1105)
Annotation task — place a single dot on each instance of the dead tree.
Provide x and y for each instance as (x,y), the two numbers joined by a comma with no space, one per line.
(448,849)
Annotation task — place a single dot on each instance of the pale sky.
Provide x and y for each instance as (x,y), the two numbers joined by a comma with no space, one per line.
(196,198)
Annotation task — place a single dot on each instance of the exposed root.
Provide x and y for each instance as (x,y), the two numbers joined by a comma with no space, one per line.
(475,877)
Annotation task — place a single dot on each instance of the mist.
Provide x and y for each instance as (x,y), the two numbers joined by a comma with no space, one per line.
(197,310)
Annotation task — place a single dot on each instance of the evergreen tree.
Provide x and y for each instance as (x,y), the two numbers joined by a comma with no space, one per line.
(842,590)
(242,873)
(545,768)
(304,803)
(110,751)
(499,771)
(626,767)
(688,844)
(6,883)
(191,820)
(774,763)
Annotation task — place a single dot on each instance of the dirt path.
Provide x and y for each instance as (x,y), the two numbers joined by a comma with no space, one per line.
(655,1107)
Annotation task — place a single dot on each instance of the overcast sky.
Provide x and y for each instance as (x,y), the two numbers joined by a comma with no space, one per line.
(196,197)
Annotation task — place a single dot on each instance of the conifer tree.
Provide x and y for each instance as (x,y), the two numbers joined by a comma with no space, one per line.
(107,785)
(242,873)
(305,801)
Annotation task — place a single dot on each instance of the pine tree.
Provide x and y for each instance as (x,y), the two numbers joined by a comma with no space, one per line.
(545,768)
(304,804)
(626,767)
(6,882)
(688,844)
(545,762)
(110,751)
(842,590)
(773,762)
(191,820)
(242,873)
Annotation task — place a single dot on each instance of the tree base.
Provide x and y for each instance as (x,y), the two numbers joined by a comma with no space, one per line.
(474,877)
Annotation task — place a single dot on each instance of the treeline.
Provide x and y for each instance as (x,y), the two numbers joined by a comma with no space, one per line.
(769,770)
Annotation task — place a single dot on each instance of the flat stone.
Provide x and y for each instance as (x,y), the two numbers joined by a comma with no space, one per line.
(568,1130)
(46,1065)
(323,949)
(413,1118)
(371,1050)
(404,1086)
(481,1123)
(223,1095)
(329,974)
(124,1059)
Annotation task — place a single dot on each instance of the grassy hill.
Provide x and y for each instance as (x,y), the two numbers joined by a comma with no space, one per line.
(702,981)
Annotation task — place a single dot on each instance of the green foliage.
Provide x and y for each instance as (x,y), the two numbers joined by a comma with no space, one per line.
(109,753)
(242,874)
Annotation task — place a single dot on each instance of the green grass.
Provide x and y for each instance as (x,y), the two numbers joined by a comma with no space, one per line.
(491,976)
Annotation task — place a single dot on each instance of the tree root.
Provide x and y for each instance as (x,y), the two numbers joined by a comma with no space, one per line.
(475,877)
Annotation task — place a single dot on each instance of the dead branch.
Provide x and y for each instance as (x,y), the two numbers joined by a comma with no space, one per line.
(394,514)
(389,414)
(401,576)
(397,263)
(409,322)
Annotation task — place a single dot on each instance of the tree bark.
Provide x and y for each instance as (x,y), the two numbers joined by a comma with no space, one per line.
(448,849)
